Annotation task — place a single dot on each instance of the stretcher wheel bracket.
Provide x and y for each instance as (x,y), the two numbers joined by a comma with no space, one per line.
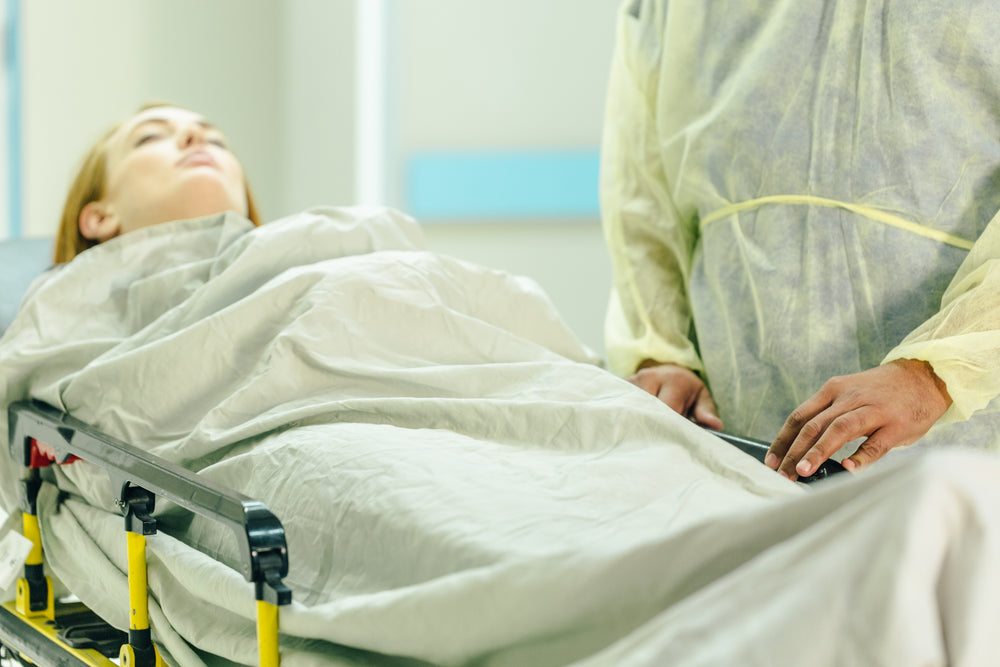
(137,477)
(34,589)
(137,506)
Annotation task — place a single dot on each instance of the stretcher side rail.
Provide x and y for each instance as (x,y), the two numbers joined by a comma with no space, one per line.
(137,477)
(258,531)
(758,449)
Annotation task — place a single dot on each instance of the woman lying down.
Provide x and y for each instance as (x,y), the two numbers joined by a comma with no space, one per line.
(459,481)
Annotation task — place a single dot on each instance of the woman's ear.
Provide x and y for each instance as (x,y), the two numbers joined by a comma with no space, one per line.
(98,223)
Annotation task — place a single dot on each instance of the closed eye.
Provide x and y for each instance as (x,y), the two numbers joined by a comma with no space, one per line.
(145,138)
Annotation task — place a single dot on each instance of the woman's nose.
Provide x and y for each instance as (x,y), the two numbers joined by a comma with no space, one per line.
(192,134)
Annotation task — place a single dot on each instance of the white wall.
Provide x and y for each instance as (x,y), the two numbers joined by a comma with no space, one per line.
(317,92)
(278,77)
(4,146)
(511,74)
(518,74)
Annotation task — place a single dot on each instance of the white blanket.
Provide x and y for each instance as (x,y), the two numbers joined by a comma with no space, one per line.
(459,481)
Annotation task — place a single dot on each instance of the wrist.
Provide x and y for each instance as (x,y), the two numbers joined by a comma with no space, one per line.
(924,370)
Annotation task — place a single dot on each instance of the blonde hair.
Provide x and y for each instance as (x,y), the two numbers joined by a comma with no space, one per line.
(88,186)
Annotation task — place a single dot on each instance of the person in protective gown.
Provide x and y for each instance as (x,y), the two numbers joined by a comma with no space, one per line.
(800,200)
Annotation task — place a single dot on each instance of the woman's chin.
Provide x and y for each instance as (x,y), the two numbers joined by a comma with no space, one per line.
(204,198)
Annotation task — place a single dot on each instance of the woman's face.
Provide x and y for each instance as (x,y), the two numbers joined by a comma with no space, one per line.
(168,164)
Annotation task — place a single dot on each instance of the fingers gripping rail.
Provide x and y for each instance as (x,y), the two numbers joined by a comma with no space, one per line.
(137,477)
(758,450)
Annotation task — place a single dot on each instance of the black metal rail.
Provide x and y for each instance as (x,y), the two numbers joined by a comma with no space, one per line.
(259,533)
(758,450)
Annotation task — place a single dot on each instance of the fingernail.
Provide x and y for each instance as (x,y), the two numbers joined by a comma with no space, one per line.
(784,474)
(771,461)
(849,465)
(804,468)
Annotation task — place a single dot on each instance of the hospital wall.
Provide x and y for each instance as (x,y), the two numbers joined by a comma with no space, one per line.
(473,78)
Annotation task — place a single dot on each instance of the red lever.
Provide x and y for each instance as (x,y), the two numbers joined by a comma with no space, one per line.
(44,460)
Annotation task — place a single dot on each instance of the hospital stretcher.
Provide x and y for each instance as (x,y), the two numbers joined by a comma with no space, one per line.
(44,632)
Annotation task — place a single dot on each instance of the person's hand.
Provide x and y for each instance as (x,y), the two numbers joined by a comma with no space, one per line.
(681,389)
(892,405)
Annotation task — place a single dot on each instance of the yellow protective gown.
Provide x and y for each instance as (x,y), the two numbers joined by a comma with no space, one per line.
(797,190)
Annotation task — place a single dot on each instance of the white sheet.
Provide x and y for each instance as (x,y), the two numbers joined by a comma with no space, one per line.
(458,480)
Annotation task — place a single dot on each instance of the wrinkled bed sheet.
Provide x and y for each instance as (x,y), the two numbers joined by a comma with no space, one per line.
(460,482)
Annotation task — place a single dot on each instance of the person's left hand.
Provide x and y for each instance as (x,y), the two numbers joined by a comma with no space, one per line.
(893,405)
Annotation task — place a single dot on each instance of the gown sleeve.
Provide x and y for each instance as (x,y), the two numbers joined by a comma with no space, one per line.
(650,241)
(961,341)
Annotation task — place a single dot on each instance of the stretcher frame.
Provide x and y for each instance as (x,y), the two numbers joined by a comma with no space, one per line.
(37,627)
(137,478)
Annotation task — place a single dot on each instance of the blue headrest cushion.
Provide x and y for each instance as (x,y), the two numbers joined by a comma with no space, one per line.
(21,261)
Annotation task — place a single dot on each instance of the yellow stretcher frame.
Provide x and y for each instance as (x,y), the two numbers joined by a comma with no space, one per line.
(38,639)
(137,478)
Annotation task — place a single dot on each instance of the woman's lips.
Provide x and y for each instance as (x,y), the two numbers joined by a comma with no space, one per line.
(196,158)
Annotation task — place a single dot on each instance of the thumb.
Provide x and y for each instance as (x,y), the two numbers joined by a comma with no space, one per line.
(871,450)
(705,413)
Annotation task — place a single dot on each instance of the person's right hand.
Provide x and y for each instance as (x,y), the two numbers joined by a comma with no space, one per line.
(681,389)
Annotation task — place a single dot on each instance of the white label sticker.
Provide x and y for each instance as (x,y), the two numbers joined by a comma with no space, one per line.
(14,550)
